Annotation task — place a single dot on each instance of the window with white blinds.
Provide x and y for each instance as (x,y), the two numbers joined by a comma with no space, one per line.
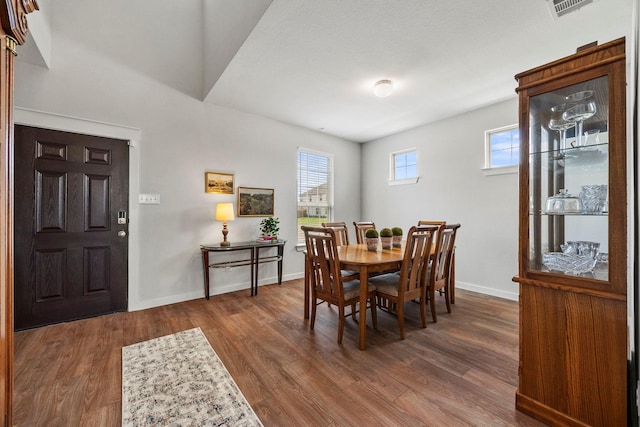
(314,190)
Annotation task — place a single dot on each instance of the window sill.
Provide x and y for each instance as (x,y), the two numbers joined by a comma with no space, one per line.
(500,171)
(404,181)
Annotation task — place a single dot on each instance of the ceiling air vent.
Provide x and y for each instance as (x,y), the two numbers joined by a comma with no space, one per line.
(562,7)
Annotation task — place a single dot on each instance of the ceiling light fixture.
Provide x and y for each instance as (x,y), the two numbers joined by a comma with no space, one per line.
(383,88)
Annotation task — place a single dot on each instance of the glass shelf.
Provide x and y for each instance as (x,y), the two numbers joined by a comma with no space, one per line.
(574,152)
(570,213)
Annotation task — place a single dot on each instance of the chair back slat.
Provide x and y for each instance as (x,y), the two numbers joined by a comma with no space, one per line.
(341,232)
(439,224)
(361,228)
(434,223)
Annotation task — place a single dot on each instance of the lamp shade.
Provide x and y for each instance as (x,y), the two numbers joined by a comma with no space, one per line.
(383,88)
(224,212)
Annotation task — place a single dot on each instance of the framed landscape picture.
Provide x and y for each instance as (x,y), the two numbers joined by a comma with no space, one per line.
(217,182)
(255,201)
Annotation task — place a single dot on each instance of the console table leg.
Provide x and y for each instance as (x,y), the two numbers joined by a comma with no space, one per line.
(281,258)
(205,265)
(255,255)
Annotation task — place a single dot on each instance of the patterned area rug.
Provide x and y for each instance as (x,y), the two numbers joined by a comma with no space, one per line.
(179,380)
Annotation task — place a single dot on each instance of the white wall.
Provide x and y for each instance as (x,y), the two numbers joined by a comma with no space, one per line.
(452,187)
(181,138)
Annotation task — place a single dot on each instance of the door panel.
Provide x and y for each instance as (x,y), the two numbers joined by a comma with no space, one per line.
(50,276)
(70,262)
(51,201)
(96,269)
(96,202)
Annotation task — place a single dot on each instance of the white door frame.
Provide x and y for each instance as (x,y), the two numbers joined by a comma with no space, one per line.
(41,119)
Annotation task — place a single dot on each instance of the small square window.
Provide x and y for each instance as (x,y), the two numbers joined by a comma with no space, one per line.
(404,166)
(502,147)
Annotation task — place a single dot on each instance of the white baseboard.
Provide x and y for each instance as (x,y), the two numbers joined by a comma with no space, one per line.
(285,277)
(143,305)
(158,302)
(488,291)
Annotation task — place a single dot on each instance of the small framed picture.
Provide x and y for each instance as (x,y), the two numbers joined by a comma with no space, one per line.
(255,201)
(217,182)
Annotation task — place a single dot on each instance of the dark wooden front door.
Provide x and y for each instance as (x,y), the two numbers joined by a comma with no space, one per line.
(70,249)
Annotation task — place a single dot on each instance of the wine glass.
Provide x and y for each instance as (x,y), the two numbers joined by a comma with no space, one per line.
(559,123)
(584,108)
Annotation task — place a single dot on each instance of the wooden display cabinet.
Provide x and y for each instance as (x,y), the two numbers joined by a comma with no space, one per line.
(572,246)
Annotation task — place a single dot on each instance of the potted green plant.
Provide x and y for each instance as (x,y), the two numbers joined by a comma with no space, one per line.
(371,238)
(386,237)
(397,236)
(269,227)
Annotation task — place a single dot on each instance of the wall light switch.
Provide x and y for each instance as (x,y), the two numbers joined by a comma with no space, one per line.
(149,199)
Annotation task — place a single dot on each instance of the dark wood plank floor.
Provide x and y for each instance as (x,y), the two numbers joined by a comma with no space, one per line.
(461,371)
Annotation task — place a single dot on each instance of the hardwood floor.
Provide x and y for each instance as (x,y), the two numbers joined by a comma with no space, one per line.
(460,371)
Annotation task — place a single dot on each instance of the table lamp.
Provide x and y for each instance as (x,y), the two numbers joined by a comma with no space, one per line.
(224,213)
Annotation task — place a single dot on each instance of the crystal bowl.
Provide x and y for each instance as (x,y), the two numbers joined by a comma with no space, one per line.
(568,263)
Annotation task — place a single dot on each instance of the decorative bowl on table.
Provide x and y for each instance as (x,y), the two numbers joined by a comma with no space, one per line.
(567,263)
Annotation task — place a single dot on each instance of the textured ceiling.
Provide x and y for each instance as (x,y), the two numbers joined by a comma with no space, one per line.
(313,63)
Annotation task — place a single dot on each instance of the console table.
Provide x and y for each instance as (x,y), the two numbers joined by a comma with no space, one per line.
(254,259)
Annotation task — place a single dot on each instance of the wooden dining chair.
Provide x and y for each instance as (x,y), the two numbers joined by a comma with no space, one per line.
(361,228)
(327,282)
(410,283)
(439,277)
(436,238)
(342,234)
(452,268)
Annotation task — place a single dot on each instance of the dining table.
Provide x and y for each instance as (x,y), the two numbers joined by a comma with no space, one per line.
(359,258)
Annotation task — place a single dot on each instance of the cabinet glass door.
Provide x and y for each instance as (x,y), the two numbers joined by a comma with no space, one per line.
(568,187)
